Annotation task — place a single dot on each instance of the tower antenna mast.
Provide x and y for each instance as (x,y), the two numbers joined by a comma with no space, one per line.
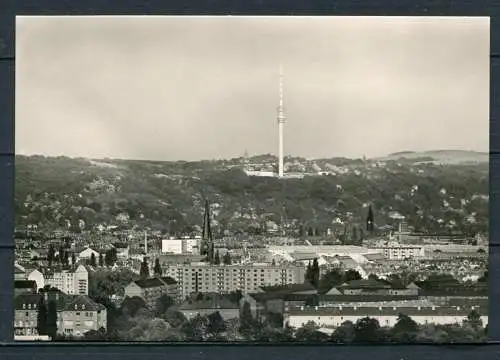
(281,122)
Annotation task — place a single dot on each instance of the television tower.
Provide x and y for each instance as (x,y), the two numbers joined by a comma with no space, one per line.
(281,123)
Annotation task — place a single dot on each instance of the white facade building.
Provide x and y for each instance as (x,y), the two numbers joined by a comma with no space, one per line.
(179,246)
(69,282)
(37,277)
(333,317)
(403,252)
(87,254)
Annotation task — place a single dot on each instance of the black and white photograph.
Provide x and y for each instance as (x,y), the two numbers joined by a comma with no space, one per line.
(252,179)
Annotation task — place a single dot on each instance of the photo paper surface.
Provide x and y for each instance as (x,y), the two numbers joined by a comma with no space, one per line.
(252,179)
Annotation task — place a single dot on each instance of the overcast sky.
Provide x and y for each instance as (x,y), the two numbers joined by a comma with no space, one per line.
(172,88)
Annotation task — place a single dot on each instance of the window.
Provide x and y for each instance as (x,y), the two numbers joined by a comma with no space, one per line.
(77,314)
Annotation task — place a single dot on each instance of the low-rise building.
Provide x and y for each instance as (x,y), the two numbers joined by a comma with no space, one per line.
(79,315)
(332,317)
(87,253)
(19,272)
(180,246)
(150,290)
(25,287)
(403,252)
(226,309)
(274,299)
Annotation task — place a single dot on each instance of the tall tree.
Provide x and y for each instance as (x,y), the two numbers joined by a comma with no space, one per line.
(315,273)
(92,260)
(217,258)
(309,274)
(111,257)
(367,330)
(246,319)
(474,320)
(310,231)
(61,254)
(216,324)
(351,275)
(227,258)
(66,258)
(73,259)
(50,255)
(163,304)
(101,260)
(332,278)
(157,268)
(144,271)
(405,329)
(51,324)
(41,323)
(354,235)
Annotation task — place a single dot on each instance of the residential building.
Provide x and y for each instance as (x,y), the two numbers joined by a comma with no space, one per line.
(332,317)
(25,314)
(71,282)
(122,251)
(403,252)
(226,309)
(150,290)
(179,246)
(76,314)
(87,254)
(25,287)
(80,315)
(19,272)
(223,279)
(273,299)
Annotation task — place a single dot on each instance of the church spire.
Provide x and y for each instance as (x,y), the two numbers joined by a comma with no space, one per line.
(207,244)
(207,230)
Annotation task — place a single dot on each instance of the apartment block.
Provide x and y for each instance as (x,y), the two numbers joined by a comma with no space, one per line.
(206,278)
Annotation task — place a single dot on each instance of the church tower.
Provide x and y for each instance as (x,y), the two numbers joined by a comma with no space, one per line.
(207,242)
(369,220)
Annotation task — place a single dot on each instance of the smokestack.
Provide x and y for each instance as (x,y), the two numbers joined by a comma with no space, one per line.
(146,242)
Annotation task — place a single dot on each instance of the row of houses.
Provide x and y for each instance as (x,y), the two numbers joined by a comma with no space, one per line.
(76,314)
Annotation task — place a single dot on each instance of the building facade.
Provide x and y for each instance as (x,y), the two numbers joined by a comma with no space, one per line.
(76,314)
(223,279)
(150,290)
(332,317)
(403,252)
(179,246)
(71,282)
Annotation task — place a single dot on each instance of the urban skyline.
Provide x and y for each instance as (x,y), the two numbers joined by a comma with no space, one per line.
(323,247)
